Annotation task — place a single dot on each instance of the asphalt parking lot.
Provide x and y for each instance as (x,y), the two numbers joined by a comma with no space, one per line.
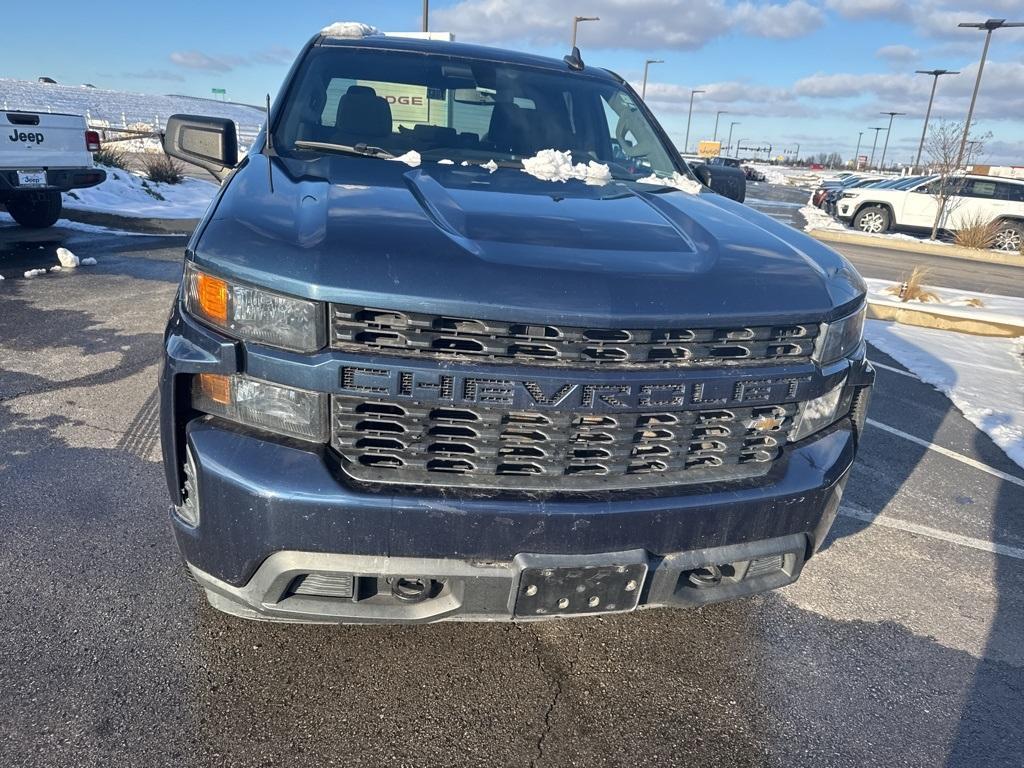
(902,645)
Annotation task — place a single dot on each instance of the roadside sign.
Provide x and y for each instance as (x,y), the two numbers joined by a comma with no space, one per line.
(219,91)
(709,148)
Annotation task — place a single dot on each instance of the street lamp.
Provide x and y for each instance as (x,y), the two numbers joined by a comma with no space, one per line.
(689,116)
(888,132)
(576,22)
(643,88)
(936,74)
(871,162)
(856,155)
(718,115)
(739,144)
(728,144)
(989,26)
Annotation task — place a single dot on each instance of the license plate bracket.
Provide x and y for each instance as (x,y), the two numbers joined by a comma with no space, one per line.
(564,590)
(32,178)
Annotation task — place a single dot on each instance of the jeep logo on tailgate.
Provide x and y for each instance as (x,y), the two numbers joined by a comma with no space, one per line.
(30,138)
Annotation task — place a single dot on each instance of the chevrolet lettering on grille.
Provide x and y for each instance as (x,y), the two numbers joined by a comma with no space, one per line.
(460,388)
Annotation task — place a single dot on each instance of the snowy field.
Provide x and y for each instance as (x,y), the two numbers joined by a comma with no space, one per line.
(983,377)
(130,194)
(115,107)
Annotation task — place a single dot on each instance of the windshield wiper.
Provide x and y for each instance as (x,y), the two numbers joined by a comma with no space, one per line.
(363,150)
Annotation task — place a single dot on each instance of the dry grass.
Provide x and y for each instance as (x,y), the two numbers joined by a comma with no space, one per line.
(163,169)
(913,288)
(977,232)
(112,157)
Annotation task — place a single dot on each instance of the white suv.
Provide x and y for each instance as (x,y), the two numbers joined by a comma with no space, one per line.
(978,198)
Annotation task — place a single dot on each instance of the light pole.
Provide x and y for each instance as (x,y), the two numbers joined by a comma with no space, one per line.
(728,144)
(739,144)
(888,131)
(576,22)
(798,153)
(990,26)
(718,115)
(426,15)
(874,144)
(643,88)
(936,74)
(689,116)
(856,155)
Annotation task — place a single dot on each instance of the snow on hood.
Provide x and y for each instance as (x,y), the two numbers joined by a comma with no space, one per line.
(553,165)
(412,158)
(349,29)
(676,180)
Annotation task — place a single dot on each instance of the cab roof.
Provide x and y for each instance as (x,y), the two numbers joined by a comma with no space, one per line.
(461,50)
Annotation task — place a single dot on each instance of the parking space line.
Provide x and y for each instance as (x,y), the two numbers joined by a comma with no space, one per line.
(859,513)
(900,371)
(948,453)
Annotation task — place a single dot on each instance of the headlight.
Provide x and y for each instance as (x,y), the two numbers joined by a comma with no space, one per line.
(849,194)
(840,338)
(273,407)
(816,414)
(254,314)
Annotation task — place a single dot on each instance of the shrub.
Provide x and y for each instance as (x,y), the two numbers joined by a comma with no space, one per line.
(163,169)
(112,157)
(912,288)
(977,231)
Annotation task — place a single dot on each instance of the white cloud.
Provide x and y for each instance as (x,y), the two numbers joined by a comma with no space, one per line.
(898,53)
(200,60)
(933,18)
(625,24)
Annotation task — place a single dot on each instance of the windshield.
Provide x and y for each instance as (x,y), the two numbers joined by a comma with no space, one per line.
(463,110)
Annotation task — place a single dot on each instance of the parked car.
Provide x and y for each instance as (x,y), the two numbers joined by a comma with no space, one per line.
(842,179)
(972,199)
(405,381)
(722,174)
(832,195)
(42,155)
(753,174)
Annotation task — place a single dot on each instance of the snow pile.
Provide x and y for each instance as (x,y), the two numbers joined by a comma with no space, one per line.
(410,158)
(446,161)
(349,29)
(553,165)
(130,194)
(490,165)
(56,268)
(818,219)
(982,376)
(67,258)
(88,261)
(772,175)
(676,180)
(35,272)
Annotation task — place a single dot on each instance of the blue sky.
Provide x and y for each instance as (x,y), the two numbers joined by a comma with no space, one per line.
(813,72)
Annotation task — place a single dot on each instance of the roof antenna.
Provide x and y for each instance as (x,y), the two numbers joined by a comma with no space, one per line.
(268,149)
(574,60)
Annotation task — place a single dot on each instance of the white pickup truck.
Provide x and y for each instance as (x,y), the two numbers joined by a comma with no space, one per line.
(42,155)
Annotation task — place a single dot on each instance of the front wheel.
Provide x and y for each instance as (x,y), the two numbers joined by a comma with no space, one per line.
(35,211)
(1009,237)
(874,220)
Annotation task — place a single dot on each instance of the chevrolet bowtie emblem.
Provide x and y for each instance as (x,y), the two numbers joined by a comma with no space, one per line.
(766,423)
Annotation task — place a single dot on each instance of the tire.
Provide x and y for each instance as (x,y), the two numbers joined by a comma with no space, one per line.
(1009,237)
(36,211)
(874,219)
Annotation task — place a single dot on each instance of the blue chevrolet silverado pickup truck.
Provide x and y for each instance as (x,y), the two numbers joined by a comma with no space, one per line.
(463,338)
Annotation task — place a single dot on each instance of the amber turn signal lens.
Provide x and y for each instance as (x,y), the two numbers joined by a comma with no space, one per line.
(216,387)
(212,293)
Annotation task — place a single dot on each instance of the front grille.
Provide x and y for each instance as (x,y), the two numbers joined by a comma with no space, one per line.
(413,334)
(384,441)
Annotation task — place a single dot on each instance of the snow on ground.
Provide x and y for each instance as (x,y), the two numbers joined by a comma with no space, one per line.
(130,194)
(793,177)
(980,304)
(554,165)
(120,107)
(982,376)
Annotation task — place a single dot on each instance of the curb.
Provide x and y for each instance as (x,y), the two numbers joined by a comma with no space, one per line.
(143,226)
(947,319)
(929,249)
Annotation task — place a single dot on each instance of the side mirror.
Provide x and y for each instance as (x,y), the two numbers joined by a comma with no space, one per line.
(703,173)
(209,142)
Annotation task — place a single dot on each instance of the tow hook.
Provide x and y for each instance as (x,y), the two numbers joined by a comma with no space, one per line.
(411,589)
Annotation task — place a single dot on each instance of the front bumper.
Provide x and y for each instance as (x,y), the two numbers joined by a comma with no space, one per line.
(274,512)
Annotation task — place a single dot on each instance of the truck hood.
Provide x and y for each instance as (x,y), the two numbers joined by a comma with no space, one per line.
(464,241)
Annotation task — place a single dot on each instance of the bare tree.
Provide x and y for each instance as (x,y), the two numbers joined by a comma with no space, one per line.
(943,149)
